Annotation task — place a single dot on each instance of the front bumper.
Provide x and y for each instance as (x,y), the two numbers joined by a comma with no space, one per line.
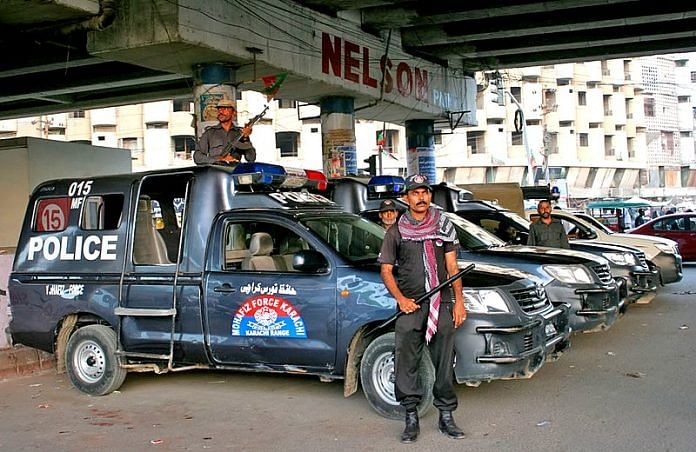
(557,330)
(634,282)
(499,347)
(670,267)
(593,307)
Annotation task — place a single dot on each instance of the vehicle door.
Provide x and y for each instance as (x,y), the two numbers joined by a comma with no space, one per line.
(677,229)
(258,308)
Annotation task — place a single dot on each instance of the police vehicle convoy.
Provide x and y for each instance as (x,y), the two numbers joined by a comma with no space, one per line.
(660,252)
(574,278)
(627,264)
(243,270)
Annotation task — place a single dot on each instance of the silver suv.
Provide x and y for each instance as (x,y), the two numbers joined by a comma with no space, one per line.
(661,252)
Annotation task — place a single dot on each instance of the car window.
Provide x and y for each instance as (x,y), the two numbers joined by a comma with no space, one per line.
(692,224)
(353,237)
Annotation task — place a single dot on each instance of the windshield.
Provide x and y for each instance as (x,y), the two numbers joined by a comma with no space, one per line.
(513,217)
(595,223)
(353,237)
(472,237)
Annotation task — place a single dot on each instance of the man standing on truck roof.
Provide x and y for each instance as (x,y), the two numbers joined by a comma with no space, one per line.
(387,213)
(547,231)
(216,139)
(424,244)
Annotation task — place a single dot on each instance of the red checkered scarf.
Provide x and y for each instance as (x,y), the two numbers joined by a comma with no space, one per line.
(434,226)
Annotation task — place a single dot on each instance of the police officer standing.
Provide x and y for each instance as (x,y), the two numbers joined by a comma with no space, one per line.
(424,245)
(225,134)
(547,231)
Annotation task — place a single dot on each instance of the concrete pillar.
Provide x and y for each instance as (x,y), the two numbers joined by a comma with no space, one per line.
(339,155)
(212,83)
(420,148)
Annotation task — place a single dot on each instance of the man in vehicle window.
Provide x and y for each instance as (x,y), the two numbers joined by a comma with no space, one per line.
(547,231)
(387,213)
(424,244)
(216,140)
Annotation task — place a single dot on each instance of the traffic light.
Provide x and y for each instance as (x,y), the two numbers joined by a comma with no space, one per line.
(498,90)
(371,164)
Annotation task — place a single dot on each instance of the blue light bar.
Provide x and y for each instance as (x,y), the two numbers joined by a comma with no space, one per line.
(385,186)
(258,174)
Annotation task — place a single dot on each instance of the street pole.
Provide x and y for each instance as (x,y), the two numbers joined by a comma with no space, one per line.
(528,151)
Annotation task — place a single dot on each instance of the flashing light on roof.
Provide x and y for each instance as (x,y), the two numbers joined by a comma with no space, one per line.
(385,186)
(276,176)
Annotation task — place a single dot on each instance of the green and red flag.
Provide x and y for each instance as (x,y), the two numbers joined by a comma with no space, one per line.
(271,84)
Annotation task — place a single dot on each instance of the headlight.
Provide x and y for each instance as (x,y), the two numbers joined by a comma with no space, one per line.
(484,301)
(665,248)
(621,258)
(570,274)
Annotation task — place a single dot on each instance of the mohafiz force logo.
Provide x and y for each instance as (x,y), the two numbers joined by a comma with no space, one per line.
(268,316)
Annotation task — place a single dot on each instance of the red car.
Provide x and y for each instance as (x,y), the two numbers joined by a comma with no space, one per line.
(680,227)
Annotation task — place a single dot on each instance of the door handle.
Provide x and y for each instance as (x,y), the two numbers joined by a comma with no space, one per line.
(225,288)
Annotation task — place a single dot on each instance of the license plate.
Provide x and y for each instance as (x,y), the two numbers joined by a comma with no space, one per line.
(550,329)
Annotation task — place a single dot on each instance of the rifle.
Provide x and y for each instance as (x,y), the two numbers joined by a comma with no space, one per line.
(426,296)
(232,144)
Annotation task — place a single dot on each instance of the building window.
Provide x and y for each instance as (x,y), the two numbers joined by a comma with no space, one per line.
(618,176)
(182,105)
(288,143)
(693,76)
(474,142)
(516,92)
(287,103)
(649,107)
(565,123)
(583,140)
(437,137)
(582,98)
(683,99)
(77,114)
(183,147)
(516,138)
(157,125)
(388,139)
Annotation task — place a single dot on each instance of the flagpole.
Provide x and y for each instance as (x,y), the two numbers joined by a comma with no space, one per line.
(381,147)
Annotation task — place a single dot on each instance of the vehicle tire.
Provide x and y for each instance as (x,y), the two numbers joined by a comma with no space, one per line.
(377,378)
(91,361)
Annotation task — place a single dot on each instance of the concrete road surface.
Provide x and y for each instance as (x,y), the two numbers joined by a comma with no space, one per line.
(627,389)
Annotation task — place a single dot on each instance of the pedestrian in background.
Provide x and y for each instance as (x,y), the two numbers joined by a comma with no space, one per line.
(218,138)
(640,218)
(424,245)
(547,231)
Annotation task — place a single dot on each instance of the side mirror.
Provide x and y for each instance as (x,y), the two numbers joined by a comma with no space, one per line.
(309,261)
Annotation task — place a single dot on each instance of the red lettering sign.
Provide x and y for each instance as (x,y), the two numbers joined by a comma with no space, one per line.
(350,61)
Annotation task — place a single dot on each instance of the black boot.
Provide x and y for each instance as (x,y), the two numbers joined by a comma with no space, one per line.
(448,427)
(410,434)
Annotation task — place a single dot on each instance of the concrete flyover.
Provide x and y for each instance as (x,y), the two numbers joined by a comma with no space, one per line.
(64,55)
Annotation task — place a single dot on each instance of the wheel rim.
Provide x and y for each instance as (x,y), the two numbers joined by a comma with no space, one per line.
(89,362)
(383,377)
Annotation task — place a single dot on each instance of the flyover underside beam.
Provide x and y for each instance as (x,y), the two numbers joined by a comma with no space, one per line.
(322,55)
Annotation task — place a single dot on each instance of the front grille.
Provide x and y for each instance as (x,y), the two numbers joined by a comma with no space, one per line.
(641,259)
(531,299)
(603,272)
(528,342)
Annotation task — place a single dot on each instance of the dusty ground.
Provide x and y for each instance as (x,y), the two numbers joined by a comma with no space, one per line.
(626,389)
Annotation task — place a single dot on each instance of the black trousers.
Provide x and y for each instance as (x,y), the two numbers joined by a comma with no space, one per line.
(410,341)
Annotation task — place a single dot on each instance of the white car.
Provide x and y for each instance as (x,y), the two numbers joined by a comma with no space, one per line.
(660,252)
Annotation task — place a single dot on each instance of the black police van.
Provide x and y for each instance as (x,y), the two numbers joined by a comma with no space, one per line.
(241,269)
(627,264)
(570,278)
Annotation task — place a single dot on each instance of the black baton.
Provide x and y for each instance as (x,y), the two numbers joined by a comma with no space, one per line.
(429,294)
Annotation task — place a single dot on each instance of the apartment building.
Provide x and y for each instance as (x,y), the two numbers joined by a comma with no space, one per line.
(616,128)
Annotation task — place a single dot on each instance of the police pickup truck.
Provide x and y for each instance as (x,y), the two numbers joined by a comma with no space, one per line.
(569,277)
(243,270)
